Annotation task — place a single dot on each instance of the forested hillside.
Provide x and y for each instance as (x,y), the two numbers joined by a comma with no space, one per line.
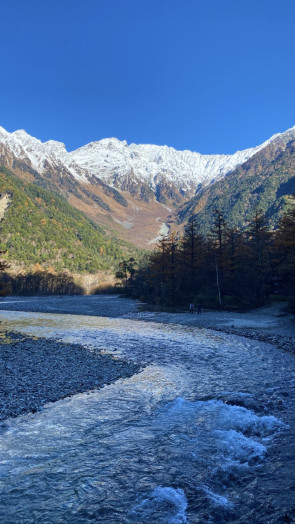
(265,182)
(40,227)
(228,268)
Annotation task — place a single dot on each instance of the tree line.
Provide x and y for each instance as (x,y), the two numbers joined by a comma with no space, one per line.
(38,282)
(228,268)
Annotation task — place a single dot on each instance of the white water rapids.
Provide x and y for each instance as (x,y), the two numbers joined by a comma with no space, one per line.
(204,433)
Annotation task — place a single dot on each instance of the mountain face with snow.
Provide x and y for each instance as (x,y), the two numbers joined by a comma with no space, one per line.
(120,164)
(122,184)
(123,166)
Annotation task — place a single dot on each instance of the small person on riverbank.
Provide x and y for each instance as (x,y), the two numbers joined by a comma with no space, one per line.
(199,309)
(191,308)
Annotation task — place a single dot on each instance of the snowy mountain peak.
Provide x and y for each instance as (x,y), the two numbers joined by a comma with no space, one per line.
(285,136)
(55,147)
(3,132)
(110,142)
(118,163)
(21,134)
(110,158)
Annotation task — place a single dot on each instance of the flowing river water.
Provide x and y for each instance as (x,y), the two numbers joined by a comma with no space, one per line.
(204,433)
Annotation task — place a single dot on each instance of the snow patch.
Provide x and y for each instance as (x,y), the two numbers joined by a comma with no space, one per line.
(111,159)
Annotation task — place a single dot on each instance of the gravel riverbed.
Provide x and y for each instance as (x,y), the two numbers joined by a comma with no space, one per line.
(270,324)
(36,371)
(279,341)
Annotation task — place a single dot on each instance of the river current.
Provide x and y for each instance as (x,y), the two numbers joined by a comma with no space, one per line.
(204,433)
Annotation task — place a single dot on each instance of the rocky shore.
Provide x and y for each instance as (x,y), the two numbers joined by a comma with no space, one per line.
(281,342)
(271,324)
(36,371)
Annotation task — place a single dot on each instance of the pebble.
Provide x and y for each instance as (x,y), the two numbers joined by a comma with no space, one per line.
(37,371)
(281,342)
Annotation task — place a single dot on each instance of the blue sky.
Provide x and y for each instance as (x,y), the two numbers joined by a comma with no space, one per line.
(212,76)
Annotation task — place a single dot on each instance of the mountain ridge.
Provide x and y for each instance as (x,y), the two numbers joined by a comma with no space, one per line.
(130,190)
(110,157)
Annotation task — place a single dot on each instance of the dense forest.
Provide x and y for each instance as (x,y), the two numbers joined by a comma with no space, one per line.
(41,227)
(229,268)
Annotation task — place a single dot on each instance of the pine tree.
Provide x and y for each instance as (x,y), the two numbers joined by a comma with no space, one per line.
(218,239)
(285,252)
(192,253)
(259,258)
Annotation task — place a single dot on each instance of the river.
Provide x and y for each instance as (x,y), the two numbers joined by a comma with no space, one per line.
(204,433)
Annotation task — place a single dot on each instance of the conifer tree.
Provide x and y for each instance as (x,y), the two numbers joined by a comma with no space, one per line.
(164,265)
(218,238)
(259,258)
(192,252)
(285,252)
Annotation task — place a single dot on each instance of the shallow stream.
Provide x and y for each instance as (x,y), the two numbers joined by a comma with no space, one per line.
(203,434)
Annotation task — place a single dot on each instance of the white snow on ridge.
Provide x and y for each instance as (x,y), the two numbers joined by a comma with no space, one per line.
(110,158)
(148,162)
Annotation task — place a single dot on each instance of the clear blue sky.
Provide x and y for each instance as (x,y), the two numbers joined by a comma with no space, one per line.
(212,76)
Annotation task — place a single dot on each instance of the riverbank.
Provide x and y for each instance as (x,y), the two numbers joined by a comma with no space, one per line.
(271,324)
(36,371)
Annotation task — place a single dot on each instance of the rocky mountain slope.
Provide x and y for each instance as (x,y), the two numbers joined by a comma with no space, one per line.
(130,189)
(124,166)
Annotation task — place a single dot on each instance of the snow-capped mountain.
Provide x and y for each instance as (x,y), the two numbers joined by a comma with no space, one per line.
(114,160)
(22,147)
(119,164)
(131,189)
